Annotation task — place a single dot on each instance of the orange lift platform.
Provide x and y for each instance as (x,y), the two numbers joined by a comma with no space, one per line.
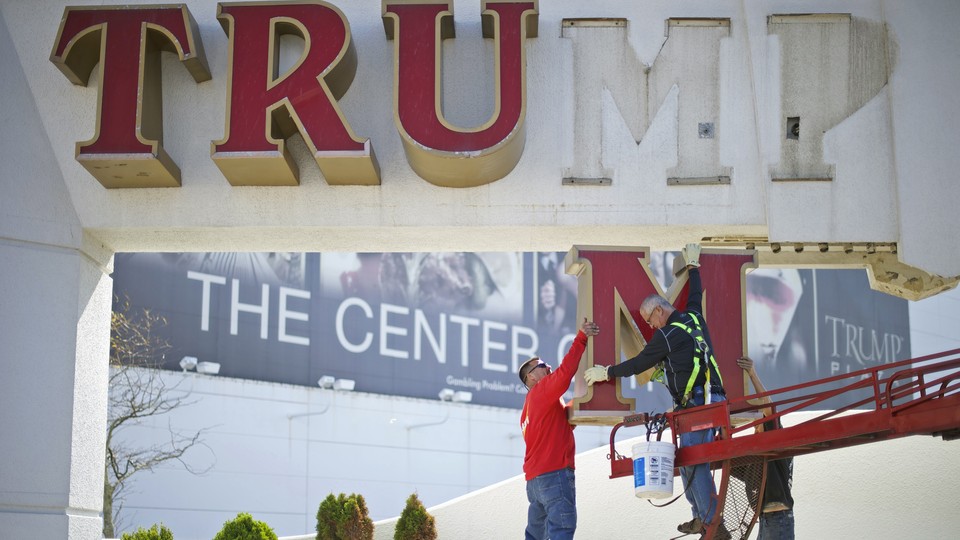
(920,396)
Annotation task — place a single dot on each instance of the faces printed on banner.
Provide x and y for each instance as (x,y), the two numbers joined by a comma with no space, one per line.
(773,295)
(445,281)
(556,294)
(453,281)
(271,267)
(379,277)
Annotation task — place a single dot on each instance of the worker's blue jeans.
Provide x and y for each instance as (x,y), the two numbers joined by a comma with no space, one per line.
(776,525)
(697,480)
(553,506)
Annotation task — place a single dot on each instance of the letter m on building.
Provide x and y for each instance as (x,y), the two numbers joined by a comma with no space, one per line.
(612,282)
(684,79)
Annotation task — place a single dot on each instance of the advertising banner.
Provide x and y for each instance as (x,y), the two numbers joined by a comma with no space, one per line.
(414,324)
(814,324)
(409,324)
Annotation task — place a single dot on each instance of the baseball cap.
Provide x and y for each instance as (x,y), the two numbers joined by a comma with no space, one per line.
(526,367)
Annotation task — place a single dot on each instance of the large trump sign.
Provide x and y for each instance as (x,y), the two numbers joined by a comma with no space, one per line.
(268,101)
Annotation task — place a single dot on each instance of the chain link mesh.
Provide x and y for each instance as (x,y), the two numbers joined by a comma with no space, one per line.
(742,500)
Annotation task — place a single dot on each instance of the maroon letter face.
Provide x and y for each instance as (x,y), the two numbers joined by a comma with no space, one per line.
(612,284)
(265,108)
(127,148)
(439,152)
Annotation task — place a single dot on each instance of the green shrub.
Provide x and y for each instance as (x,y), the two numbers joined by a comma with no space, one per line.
(344,518)
(157,532)
(244,527)
(415,522)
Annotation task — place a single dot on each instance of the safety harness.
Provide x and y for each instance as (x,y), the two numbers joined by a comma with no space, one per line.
(702,356)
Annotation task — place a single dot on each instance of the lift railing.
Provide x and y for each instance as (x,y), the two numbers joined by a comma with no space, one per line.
(919,396)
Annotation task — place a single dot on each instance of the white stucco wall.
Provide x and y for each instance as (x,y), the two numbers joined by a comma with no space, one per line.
(278,450)
(934,324)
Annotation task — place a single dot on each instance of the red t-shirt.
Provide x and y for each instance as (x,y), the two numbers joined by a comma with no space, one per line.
(543,420)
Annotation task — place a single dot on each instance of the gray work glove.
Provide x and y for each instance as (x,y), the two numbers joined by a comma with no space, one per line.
(691,254)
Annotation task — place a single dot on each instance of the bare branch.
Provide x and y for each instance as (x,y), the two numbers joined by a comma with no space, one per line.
(138,391)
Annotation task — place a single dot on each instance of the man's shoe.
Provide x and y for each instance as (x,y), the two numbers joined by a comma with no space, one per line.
(694,526)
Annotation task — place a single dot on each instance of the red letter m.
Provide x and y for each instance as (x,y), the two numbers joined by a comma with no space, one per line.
(613,282)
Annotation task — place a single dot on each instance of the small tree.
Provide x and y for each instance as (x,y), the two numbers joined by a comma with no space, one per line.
(157,532)
(415,522)
(344,518)
(244,527)
(137,390)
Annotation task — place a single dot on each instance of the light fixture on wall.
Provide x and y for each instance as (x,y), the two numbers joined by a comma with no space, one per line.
(344,385)
(462,396)
(208,368)
(446,394)
(188,363)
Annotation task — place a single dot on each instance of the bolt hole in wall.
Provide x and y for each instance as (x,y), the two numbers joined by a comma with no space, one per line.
(793,128)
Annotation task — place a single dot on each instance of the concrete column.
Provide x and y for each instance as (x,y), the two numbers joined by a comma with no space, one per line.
(54,346)
(55,299)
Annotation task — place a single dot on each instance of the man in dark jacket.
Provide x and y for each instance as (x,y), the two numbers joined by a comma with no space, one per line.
(682,352)
(776,515)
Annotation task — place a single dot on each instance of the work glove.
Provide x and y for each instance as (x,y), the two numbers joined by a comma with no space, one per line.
(595,374)
(691,254)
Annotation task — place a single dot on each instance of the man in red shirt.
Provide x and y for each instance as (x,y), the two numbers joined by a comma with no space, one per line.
(548,461)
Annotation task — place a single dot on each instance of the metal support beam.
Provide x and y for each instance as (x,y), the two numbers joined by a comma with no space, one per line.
(886,272)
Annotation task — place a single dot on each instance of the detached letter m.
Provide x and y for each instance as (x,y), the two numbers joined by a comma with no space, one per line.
(439,152)
(612,282)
